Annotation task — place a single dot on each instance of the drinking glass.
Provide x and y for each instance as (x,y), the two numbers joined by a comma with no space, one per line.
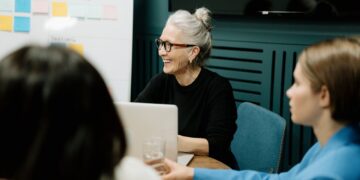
(154,153)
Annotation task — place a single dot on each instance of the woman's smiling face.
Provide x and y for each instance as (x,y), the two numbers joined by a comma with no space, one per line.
(177,60)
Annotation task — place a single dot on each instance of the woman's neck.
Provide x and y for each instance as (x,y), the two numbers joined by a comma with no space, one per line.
(326,128)
(188,76)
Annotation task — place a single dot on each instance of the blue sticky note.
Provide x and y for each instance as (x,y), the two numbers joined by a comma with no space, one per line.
(21,24)
(22,6)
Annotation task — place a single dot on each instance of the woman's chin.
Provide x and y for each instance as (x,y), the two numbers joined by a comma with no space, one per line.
(293,119)
(167,70)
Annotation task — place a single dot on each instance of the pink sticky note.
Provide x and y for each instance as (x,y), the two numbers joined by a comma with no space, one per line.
(40,6)
(110,12)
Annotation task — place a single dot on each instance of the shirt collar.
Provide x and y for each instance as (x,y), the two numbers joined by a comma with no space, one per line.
(346,135)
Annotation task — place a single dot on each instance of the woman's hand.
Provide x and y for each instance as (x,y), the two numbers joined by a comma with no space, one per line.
(177,171)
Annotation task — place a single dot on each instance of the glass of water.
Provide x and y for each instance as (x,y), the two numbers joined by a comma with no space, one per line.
(154,153)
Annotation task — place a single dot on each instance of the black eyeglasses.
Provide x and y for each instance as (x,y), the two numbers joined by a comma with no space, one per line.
(168,45)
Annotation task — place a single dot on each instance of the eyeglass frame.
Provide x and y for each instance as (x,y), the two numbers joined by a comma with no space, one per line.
(163,44)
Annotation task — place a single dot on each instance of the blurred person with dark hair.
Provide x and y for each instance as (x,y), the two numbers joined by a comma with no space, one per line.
(58,120)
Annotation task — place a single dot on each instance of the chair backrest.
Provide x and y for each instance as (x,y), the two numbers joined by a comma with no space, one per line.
(258,140)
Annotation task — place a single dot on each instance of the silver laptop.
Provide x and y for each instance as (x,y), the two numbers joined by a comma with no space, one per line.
(144,120)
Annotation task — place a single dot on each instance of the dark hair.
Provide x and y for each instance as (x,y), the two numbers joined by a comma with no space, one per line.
(58,120)
(336,64)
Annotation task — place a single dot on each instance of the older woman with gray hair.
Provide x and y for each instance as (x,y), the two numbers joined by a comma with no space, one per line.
(206,106)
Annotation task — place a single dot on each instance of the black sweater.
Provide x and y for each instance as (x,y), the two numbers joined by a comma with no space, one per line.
(206,109)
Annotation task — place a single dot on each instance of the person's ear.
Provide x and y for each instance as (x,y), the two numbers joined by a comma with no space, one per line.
(324,97)
(193,53)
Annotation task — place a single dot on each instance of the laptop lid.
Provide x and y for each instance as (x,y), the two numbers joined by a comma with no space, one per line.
(144,120)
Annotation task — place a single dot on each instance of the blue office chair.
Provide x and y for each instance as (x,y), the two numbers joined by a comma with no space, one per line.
(258,140)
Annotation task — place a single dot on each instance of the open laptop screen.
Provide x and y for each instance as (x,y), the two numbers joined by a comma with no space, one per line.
(144,120)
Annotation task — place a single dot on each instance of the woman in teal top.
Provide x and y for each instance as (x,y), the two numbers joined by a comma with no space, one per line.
(325,96)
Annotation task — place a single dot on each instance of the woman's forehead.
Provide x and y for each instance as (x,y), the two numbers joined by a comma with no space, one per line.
(298,72)
(171,33)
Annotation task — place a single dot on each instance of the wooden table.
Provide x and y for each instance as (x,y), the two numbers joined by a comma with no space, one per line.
(207,162)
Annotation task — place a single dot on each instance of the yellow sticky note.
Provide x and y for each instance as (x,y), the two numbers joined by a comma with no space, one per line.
(59,9)
(6,23)
(77,47)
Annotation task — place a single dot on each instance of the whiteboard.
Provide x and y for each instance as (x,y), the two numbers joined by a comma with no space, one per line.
(101,30)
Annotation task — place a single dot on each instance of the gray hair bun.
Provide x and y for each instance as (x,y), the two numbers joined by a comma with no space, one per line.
(203,15)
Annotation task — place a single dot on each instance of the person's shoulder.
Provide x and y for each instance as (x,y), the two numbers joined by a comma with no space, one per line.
(161,77)
(133,168)
(346,154)
(342,162)
(343,156)
(215,78)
